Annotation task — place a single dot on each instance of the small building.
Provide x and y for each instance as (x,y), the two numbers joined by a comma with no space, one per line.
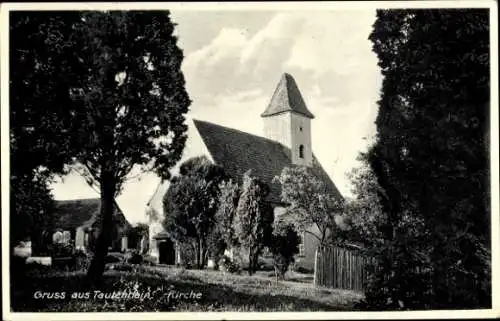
(76,222)
(286,141)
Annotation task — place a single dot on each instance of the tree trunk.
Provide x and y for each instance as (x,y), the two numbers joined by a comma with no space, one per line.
(250,264)
(199,255)
(96,269)
(36,242)
(252,261)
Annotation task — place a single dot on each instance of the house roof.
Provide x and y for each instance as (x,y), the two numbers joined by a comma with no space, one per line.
(237,152)
(70,214)
(287,98)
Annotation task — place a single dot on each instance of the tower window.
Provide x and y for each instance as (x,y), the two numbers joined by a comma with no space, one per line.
(300,128)
(301,151)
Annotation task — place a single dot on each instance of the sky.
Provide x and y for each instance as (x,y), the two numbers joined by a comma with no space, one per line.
(233,62)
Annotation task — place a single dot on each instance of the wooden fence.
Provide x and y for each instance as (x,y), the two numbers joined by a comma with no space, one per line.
(342,268)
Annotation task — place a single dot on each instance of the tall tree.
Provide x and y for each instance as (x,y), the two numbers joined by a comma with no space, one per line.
(223,235)
(130,102)
(431,158)
(312,203)
(122,91)
(254,218)
(39,142)
(190,204)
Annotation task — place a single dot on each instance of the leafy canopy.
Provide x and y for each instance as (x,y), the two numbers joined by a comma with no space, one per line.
(254,218)
(310,200)
(113,97)
(191,202)
(431,156)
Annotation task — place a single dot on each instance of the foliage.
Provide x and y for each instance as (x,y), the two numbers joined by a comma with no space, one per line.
(188,255)
(82,260)
(431,159)
(62,249)
(223,235)
(254,218)
(135,258)
(231,266)
(116,94)
(191,202)
(114,258)
(31,210)
(284,246)
(38,146)
(363,216)
(311,202)
(38,143)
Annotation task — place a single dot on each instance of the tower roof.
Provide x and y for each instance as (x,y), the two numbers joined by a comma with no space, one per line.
(287,98)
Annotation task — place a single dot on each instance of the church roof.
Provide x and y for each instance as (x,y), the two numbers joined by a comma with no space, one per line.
(237,152)
(287,97)
(70,214)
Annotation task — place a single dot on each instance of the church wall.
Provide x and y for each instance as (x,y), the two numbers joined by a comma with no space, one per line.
(310,245)
(154,228)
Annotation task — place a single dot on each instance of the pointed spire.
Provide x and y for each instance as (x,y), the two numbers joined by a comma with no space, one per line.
(287,98)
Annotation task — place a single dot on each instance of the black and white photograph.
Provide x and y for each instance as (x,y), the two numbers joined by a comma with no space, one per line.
(244,157)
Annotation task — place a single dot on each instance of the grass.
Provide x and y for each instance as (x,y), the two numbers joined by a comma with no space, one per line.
(203,290)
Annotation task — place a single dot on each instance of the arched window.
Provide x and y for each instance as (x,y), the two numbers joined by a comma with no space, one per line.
(301,151)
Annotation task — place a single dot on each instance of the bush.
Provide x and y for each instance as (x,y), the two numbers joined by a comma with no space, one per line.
(265,264)
(135,258)
(187,254)
(58,250)
(113,258)
(82,260)
(230,266)
(285,244)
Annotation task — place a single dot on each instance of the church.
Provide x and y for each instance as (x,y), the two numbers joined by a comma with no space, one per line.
(287,140)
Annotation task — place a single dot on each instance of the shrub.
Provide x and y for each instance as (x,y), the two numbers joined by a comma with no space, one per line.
(63,263)
(285,244)
(265,264)
(58,250)
(231,266)
(188,255)
(135,258)
(82,260)
(113,258)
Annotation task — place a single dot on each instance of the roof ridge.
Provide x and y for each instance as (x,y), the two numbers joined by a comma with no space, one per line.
(240,131)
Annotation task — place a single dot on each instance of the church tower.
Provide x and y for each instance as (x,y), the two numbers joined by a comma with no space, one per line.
(288,121)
